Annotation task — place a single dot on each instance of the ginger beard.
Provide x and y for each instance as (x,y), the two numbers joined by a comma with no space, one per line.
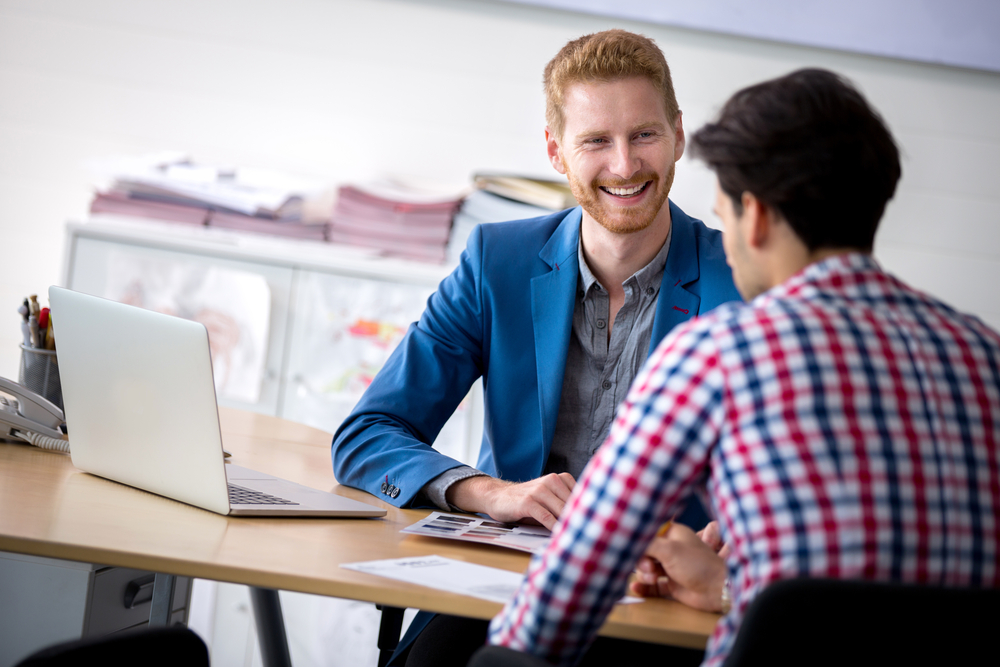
(623,219)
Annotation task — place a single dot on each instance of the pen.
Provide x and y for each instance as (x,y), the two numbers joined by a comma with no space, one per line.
(50,340)
(43,327)
(25,329)
(665,528)
(33,329)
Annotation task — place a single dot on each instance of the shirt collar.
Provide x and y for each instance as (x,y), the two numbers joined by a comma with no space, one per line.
(650,275)
(842,271)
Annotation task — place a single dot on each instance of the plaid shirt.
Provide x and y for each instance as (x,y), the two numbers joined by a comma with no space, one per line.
(845,425)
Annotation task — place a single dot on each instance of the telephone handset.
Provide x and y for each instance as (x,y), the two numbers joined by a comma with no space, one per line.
(27,416)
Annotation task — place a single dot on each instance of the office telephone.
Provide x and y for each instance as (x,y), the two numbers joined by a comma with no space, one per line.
(27,416)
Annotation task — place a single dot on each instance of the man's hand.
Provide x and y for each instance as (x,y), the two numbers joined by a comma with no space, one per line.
(682,566)
(541,500)
(711,536)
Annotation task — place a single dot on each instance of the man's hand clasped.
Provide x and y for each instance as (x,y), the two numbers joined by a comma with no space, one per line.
(686,566)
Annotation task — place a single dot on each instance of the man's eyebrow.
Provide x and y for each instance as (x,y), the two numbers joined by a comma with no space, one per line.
(592,134)
(655,125)
(583,136)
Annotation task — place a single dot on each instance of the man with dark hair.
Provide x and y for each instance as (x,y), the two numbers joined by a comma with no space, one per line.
(556,314)
(849,426)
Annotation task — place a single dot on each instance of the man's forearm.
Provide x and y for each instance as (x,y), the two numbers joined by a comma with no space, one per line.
(472,493)
(436,491)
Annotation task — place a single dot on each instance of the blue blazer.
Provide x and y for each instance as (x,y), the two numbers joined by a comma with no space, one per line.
(506,314)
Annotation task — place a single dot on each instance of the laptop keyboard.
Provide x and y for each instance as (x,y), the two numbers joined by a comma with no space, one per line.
(239,495)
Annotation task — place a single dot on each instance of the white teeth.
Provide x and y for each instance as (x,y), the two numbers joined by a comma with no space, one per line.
(625,192)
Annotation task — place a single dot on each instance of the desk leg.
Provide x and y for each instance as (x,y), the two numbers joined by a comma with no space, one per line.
(388,632)
(270,627)
(163,596)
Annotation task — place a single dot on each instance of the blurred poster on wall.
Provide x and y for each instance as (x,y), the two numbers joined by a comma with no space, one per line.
(235,307)
(345,330)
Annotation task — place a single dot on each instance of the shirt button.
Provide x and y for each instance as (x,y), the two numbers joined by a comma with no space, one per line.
(650,291)
(606,385)
(601,324)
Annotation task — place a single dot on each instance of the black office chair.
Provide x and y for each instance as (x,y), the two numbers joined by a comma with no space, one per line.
(605,652)
(854,623)
(154,647)
(501,656)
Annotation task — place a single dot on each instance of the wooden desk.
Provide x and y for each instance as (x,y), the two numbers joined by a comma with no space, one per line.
(49,508)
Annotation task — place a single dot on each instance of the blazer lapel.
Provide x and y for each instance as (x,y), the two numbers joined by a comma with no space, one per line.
(675,303)
(552,299)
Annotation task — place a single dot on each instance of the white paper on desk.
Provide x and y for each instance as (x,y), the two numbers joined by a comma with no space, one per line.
(446,574)
(453,576)
(532,539)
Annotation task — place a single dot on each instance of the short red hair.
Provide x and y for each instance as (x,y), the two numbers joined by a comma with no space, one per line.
(605,56)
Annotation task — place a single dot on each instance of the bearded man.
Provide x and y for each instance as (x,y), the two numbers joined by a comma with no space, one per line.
(557,314)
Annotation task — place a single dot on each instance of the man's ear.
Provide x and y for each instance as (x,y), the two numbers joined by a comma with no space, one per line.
(758,220)
(555,153)
(680,141)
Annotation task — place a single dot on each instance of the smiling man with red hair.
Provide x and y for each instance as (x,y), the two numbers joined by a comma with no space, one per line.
(556,314)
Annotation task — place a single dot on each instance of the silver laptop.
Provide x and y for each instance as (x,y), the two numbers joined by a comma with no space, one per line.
(140,409)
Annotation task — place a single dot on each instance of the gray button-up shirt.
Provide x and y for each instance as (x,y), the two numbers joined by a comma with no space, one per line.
(598,372)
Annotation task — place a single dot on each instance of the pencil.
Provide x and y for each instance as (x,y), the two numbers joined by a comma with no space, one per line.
(666,527)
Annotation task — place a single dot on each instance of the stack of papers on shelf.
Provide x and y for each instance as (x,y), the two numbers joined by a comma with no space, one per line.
(542,192)
(118,202)
(171,187)
(396,218)
(481,207)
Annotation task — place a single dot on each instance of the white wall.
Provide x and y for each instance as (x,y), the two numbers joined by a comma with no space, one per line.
(950,32)
(347,89)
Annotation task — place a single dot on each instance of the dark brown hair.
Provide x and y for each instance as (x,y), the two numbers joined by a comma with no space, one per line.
(810,146)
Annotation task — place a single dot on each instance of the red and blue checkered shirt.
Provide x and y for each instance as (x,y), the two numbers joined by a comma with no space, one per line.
(844,426)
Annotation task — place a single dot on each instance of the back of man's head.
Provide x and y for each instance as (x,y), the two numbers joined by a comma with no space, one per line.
(605,56)
(810,146)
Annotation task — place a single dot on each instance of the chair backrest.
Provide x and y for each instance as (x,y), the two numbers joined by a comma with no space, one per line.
(856,623)
(175,646)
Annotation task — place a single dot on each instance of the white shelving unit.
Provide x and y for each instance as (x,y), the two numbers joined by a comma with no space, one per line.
(336,312)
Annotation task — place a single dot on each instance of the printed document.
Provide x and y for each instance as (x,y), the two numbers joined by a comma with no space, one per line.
(453,576)
(446,574)
(482,531)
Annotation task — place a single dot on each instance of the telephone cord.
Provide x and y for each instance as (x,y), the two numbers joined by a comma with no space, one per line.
(44,441)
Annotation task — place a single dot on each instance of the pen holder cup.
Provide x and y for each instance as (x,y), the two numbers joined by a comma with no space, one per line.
(39,372)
